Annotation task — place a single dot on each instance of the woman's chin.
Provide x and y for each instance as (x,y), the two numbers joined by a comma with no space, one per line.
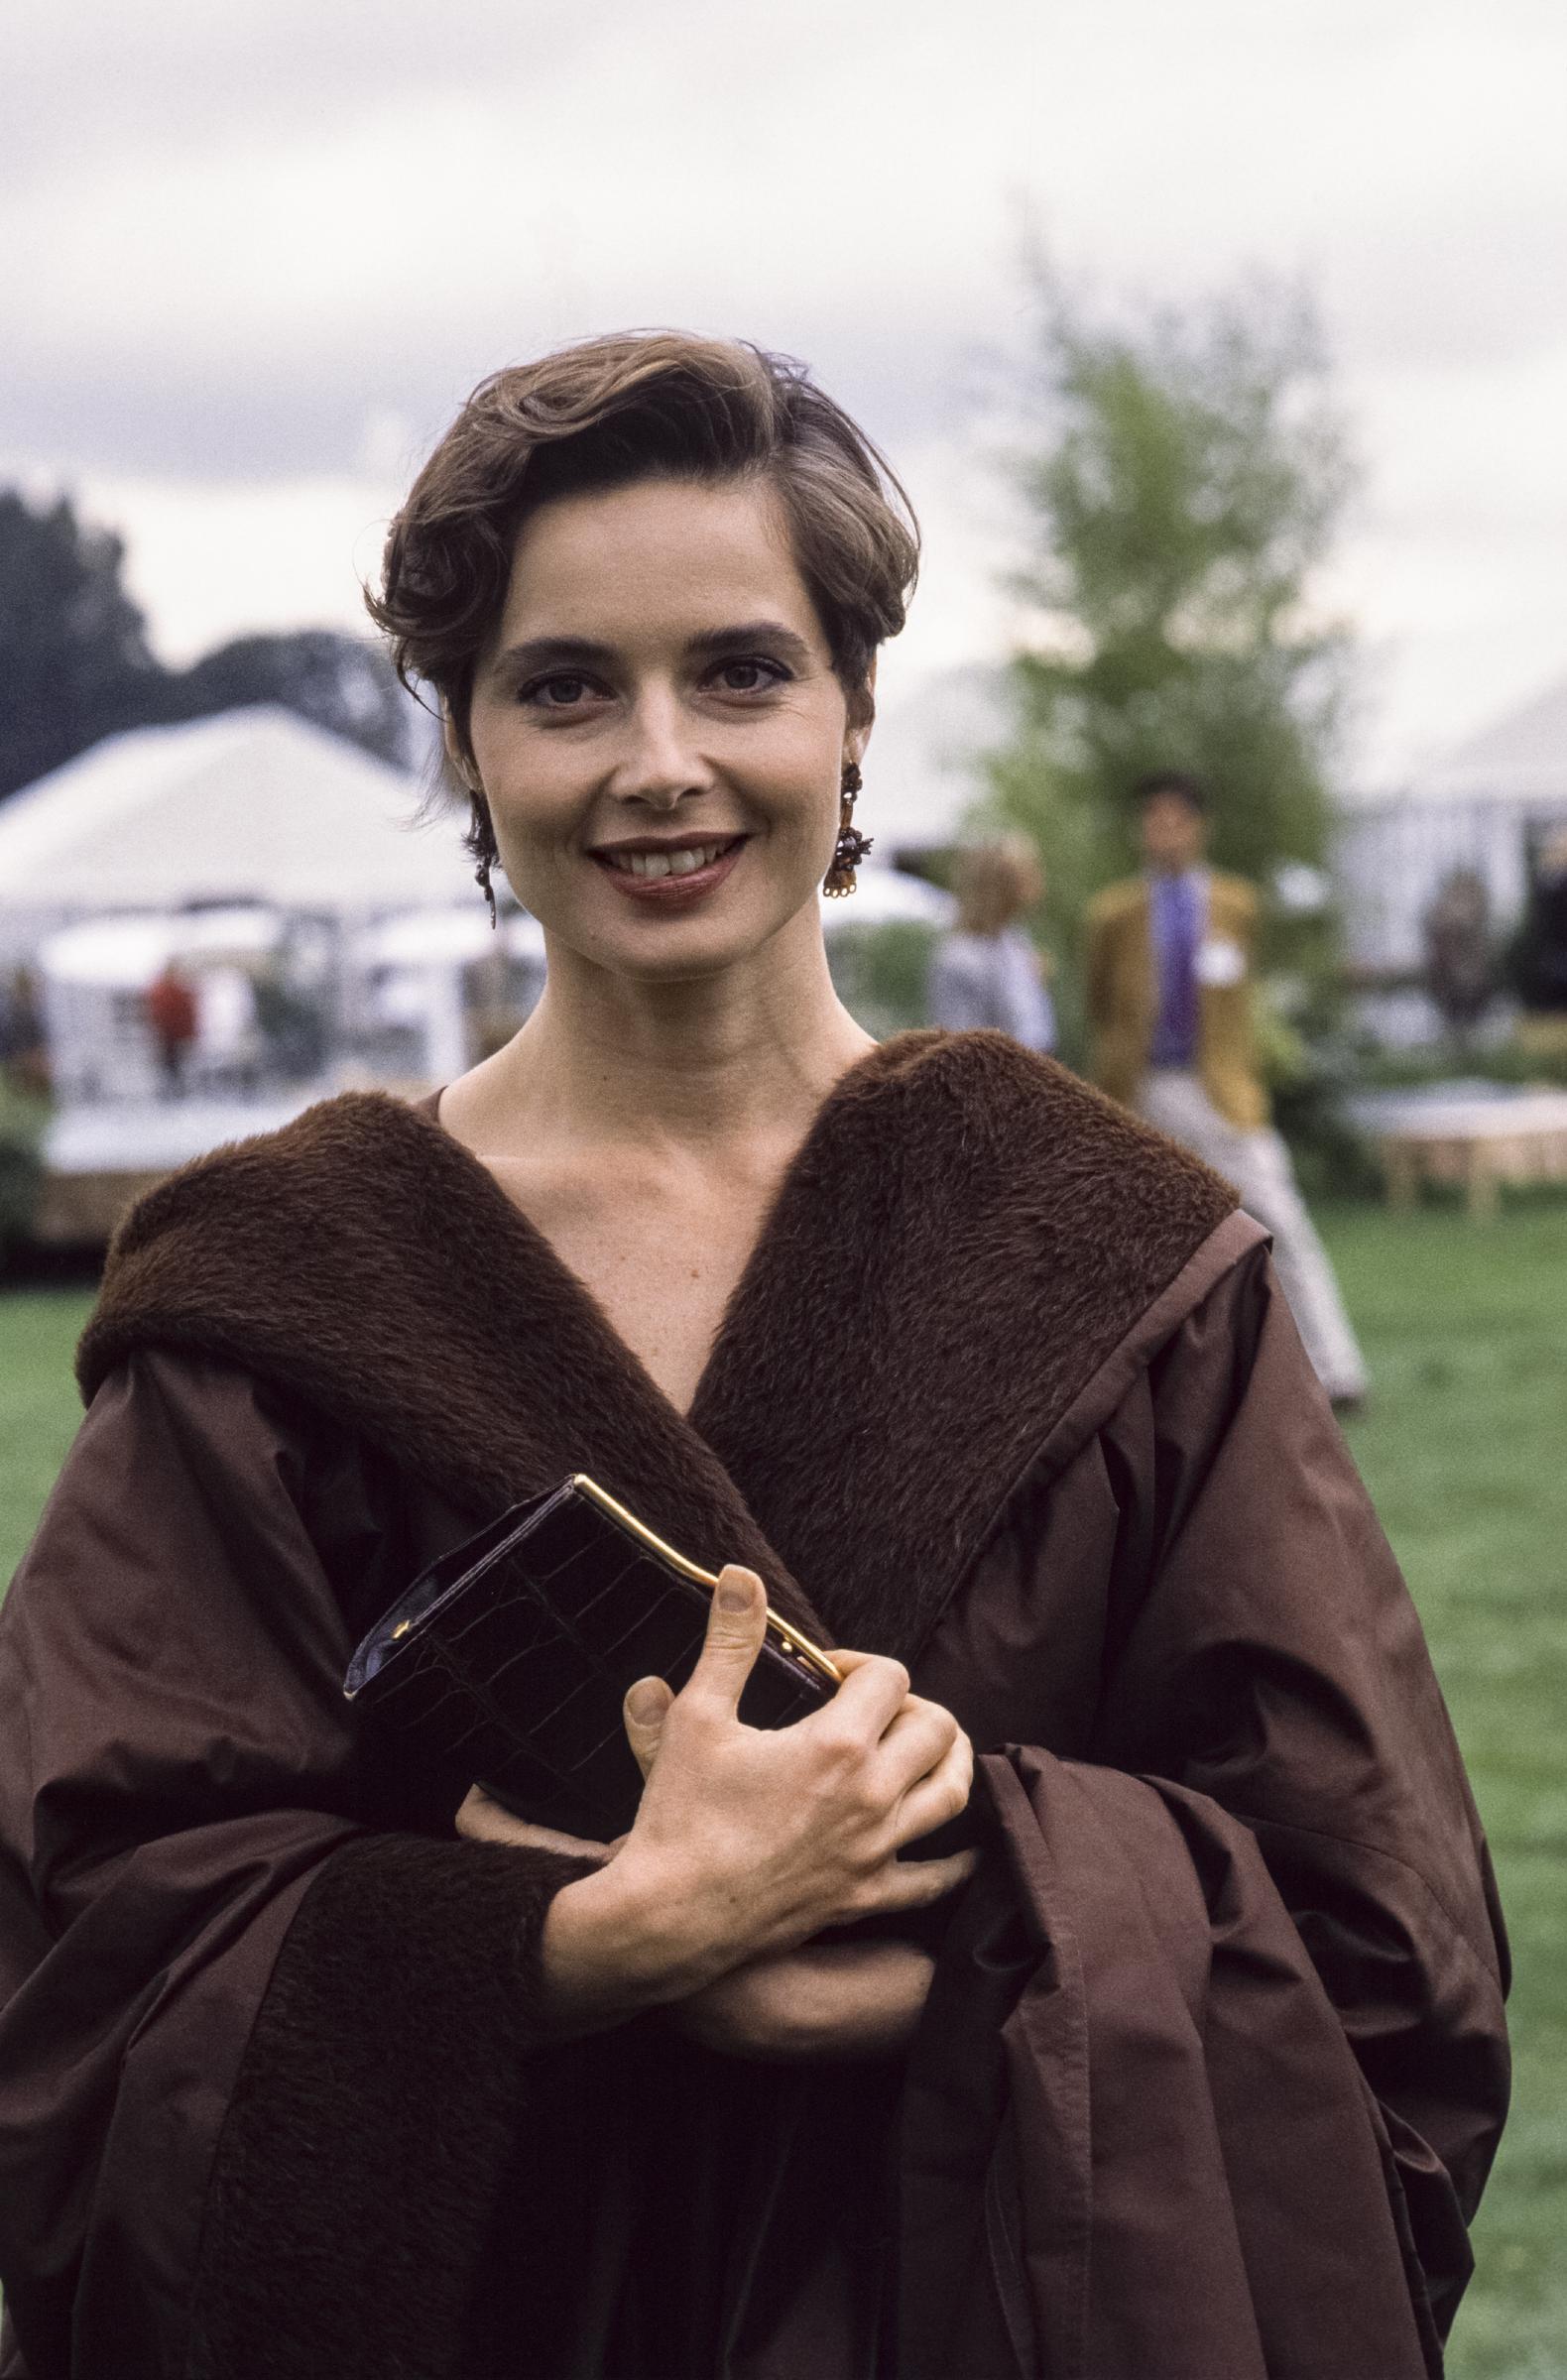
(699,943)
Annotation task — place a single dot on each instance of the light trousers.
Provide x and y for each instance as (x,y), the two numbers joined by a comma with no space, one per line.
(1258,1163)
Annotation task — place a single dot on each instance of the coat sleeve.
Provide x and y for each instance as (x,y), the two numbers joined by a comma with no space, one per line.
(1258,1997)
(234,1986)
(1279,1668)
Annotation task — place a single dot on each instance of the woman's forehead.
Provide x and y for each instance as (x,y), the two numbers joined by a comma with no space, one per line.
(661,558)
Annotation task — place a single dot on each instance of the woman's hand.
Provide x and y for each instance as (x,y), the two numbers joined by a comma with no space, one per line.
(482,1819)
(749,1842)
(829,2000)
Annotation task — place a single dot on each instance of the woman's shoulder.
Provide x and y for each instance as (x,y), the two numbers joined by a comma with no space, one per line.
(1015,1178)
(259,1226)
(320,1140)
(1031,1125)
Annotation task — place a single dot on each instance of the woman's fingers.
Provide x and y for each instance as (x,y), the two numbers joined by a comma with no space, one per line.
(646,1708)
(873,1692)
(937,1793)
(938,1796)
(915,1884)
(736,1626)
(482,1819)
(928,1808)
(920,1738)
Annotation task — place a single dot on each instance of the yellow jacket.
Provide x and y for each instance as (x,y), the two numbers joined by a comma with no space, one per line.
(1122,995)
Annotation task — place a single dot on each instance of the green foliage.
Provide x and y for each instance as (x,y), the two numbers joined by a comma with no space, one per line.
(880,972)
(1508,1062)
(75,663)
(22,1120)
(345,684)
(1183,484)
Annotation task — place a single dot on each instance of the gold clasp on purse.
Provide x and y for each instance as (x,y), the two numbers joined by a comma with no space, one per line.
(793,1641)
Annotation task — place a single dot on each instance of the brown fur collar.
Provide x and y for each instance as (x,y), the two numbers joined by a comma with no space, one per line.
(966,1235)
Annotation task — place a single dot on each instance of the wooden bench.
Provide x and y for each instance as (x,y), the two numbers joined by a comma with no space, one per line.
(1478,1144)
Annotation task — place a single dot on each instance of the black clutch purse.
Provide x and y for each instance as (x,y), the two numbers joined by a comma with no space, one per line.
(506,1662)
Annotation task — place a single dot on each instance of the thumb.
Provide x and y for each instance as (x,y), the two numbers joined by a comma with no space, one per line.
(647,1707)
(736,1626)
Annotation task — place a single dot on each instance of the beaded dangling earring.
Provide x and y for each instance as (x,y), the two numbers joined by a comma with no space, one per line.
(481,877)
(851,846)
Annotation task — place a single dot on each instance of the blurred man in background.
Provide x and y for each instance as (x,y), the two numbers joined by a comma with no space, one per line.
(170,1004)
(986,970)
(1170,957)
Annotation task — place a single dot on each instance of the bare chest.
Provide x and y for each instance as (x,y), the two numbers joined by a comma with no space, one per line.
(662,1270)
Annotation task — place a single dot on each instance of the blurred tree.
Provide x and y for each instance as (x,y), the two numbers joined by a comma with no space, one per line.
(343,683)
(1183,483)
(75,663)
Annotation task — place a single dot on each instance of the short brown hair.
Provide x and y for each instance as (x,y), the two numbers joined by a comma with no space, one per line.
(995,882)
(604,414)
(1178,783)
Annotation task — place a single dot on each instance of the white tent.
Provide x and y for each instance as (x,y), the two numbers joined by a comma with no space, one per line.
(1520,757)
(1480,806)
(252,806)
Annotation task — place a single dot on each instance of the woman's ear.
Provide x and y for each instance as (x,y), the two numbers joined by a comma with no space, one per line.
(458,757)
(861,717)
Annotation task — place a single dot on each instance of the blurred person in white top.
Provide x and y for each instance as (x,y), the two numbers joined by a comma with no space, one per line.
(986,970)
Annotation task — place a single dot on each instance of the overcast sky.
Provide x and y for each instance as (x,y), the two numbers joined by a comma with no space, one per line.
(253,257)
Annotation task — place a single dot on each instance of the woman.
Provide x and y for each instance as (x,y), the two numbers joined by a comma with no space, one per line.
(986,970)
(1196,2070)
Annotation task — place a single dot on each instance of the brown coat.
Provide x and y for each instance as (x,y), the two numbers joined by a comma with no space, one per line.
(1214,2064)
(1123,994)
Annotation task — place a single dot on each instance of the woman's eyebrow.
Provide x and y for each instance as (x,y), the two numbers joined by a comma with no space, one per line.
(553,652)
(771,633)
(585,652)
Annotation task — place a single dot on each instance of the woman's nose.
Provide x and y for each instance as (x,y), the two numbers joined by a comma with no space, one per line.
(661,762)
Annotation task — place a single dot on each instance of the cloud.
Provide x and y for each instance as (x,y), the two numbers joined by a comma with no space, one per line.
(296,208)
(255,257)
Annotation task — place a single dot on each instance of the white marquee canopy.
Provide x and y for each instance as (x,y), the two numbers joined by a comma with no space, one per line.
(252,806)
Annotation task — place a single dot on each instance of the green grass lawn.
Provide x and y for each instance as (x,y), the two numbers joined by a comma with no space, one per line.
(1465,1450)
(1463,1447)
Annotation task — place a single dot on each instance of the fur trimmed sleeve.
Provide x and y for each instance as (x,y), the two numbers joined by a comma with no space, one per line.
(251,1990)
(362,2172)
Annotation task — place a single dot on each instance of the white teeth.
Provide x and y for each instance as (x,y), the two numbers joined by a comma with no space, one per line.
(664,862)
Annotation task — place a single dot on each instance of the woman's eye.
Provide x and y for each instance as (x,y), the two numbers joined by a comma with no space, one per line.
(562,692)
(749,676)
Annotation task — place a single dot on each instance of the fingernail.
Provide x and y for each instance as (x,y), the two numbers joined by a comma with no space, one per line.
(644,1702)
(734,1591)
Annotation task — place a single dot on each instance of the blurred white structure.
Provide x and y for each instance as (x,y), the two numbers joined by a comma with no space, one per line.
(883,897)
(255,807)
(1485,804)
(923,769)
(418,984)
(93,979)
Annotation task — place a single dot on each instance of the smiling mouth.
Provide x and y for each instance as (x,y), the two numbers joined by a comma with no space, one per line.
(686,861)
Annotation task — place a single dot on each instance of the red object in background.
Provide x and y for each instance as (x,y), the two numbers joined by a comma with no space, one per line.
(171,1009)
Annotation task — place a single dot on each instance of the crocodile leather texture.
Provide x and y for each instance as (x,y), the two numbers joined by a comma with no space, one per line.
(508,1661)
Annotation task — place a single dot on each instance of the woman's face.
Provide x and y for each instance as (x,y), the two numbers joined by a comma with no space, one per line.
(657,729)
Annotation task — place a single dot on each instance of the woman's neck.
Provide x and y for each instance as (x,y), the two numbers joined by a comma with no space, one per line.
(736,1062)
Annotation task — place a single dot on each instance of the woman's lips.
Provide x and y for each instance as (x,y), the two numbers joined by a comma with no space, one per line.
(675,888)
